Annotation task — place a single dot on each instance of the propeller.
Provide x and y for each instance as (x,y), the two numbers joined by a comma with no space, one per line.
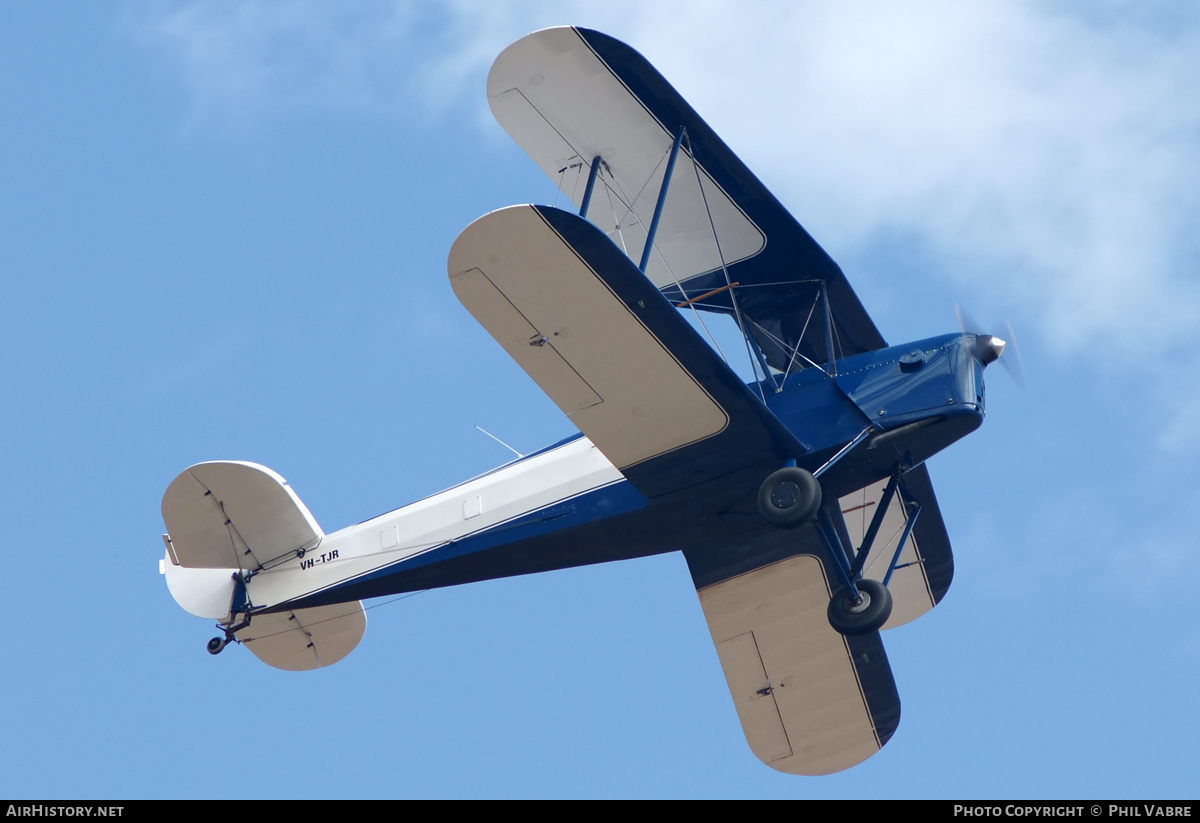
(988,348)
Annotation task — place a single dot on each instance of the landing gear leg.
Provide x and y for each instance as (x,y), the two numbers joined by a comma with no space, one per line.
(239,605)
(791,497)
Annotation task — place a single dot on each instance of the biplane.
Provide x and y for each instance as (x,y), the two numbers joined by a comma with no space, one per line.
(800,499)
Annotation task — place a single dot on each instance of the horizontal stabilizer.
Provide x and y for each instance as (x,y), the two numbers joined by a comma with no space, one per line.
(233,515)
(304,639)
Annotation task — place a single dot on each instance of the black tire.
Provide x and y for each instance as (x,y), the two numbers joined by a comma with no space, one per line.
(789,498)
(863,617)
(216,645)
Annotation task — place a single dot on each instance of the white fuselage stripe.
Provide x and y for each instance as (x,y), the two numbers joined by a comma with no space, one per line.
(493,499)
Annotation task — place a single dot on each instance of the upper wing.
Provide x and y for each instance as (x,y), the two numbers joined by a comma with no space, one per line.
(569,96)
(609,349)
(810,700)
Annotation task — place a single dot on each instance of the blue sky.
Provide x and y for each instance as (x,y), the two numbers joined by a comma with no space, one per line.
(223,234)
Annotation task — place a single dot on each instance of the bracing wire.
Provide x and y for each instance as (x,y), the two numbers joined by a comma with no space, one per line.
(562,180)
(616,222)
(674,277)
(737,312)
(575,189)
(796,351)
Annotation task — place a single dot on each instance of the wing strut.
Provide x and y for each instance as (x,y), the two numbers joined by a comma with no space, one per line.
(751,350)
(662,200)
(591,184)
(831,370)
(754,352)
(912,522)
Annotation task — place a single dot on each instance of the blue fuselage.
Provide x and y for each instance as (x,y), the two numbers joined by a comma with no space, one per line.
(916,399)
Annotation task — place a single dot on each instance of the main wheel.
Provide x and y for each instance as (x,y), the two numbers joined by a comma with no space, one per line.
(216,645)
(862,616)
(788,498)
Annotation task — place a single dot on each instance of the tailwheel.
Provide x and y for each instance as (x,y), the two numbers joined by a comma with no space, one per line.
(862,615)
(218,644)
(789,498)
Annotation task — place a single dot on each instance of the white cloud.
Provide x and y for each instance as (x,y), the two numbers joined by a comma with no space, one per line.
(1045,155)
(1057,150)
(258,60)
